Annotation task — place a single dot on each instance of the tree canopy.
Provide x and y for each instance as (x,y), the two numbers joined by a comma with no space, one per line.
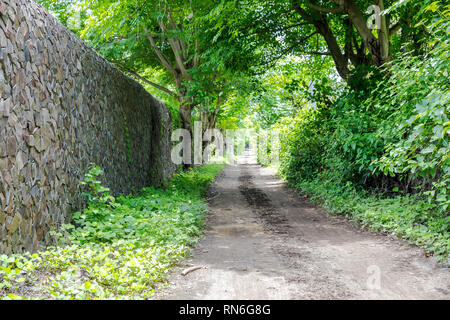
(374,72)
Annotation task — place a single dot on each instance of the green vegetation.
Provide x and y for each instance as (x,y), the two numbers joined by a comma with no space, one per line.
(361,100)
(118,248)
(378,149)
(409,217)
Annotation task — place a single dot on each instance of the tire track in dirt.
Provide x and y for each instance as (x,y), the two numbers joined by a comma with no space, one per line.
(287,244)
(272,220)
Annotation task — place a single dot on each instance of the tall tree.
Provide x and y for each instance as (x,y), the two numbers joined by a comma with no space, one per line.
(137,34)
(352,32)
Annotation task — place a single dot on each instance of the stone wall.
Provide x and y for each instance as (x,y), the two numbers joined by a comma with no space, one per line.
(63,107)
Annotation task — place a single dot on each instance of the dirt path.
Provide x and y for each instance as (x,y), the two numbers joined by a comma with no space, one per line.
(263,241)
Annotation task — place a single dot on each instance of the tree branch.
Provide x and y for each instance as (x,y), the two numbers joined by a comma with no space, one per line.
(160,55)
(323,28)
(340,3)
(215,113)
(318,53)
(283,53)
(383,37)
(157,86)
(196,60)
(176,48)
(278,30)
(118,40)
(325,10)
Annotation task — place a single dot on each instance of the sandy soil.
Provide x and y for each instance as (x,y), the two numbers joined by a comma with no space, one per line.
(264,241)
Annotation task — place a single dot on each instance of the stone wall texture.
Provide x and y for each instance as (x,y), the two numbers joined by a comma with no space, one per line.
(63,107)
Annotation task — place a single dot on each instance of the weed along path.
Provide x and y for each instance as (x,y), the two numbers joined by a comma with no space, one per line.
(264,241)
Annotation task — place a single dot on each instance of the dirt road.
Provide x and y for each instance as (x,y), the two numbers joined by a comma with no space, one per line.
(264,241)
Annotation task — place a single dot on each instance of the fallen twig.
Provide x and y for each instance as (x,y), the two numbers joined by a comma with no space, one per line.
(189,270)
(210,198)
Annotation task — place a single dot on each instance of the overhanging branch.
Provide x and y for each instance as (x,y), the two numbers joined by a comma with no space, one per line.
(285,51)
(160,55)
(317,53)
(325,10)
(265,30)
(139,77)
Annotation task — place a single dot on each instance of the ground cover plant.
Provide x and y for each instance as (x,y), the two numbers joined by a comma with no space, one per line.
(117,248)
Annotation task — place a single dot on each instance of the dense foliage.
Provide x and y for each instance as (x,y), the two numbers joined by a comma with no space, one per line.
(121,248)
(379,149)
(361,98)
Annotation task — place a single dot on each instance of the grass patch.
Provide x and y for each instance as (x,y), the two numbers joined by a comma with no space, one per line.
(120,248)
(408,217)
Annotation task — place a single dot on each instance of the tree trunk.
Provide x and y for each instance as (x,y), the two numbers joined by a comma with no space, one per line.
(383,35)
(321,24)
(339,59)
(378,48)
(185,115)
